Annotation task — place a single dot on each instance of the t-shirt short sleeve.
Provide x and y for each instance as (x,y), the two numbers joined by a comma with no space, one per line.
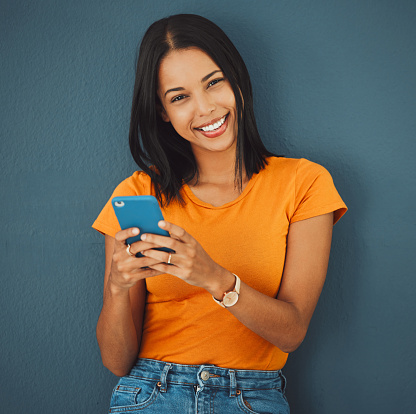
(315,193)
(138,184)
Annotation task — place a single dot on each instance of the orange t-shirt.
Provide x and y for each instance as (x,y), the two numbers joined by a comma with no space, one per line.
(247,236)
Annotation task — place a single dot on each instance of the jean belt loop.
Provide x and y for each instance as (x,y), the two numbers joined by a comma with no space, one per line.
(233,383)
(283,378)
(163,377)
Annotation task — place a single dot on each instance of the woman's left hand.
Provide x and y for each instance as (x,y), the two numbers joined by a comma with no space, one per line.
(190,262)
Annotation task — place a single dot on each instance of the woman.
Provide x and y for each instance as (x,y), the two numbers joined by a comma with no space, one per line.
(232,208)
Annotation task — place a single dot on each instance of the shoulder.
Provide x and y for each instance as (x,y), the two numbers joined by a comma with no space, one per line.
(297,175)
(293,168)
(139,183)
(303,186)
(293,165)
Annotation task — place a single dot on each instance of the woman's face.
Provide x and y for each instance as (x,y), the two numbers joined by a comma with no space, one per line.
(198,101)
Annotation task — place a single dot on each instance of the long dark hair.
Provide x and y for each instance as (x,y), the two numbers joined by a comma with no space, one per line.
(158,149)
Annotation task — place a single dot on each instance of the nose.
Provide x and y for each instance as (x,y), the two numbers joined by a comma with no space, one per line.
(204,104)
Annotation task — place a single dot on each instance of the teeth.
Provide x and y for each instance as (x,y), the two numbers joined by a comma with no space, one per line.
(212,127)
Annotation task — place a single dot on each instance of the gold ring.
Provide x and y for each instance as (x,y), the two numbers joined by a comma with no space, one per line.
(128,250)
(170,258)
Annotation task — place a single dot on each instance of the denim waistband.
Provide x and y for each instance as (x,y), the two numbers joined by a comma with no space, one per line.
(206,376)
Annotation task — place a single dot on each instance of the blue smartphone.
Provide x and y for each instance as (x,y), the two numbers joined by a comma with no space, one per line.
(142,212)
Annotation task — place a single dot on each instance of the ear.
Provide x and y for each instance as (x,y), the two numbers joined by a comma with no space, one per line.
(162,113)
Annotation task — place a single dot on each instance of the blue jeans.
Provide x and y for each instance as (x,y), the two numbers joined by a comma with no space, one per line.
(155,387)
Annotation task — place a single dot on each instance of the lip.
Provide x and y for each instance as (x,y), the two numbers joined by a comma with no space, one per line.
(216,132)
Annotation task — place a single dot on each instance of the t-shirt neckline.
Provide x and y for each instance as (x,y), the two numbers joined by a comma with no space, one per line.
(201,203)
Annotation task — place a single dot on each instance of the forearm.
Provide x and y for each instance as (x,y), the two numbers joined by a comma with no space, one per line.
(276,321)
(116,332)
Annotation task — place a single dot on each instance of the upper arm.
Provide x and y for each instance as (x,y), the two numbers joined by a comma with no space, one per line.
(307,255)
(137,292)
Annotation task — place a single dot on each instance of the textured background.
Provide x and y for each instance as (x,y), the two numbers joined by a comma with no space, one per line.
(334,82)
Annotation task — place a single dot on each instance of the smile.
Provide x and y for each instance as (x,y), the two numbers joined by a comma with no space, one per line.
(214,126)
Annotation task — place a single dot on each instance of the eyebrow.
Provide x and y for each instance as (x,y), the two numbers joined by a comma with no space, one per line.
(205,78)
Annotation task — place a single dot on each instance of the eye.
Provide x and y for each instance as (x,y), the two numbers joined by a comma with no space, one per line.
(215,81)
(178,98)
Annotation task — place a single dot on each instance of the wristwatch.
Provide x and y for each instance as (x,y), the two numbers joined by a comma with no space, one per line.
(230,298)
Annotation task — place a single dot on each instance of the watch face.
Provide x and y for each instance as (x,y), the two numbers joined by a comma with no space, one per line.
(230,299)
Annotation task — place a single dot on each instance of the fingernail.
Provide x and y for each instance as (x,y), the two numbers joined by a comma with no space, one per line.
(135,231)
(162,224)
(143,237)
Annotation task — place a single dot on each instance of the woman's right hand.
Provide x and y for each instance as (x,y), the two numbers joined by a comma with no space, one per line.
(127,270)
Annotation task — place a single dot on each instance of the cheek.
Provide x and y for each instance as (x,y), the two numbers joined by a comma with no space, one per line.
(229,100)
(180,120)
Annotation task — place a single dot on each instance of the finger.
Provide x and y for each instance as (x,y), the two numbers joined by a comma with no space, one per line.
(176,231)
(163,257)
(123,235)
(177,234)
(148,272)
(164,268)
(134,264)
(163,241)
(131,278)
(140,246)
(145,271)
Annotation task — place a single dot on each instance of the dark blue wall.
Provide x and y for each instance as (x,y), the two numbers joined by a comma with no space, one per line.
(334,82)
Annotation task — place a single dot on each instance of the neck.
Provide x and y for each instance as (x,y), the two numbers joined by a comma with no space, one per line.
(216,168)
